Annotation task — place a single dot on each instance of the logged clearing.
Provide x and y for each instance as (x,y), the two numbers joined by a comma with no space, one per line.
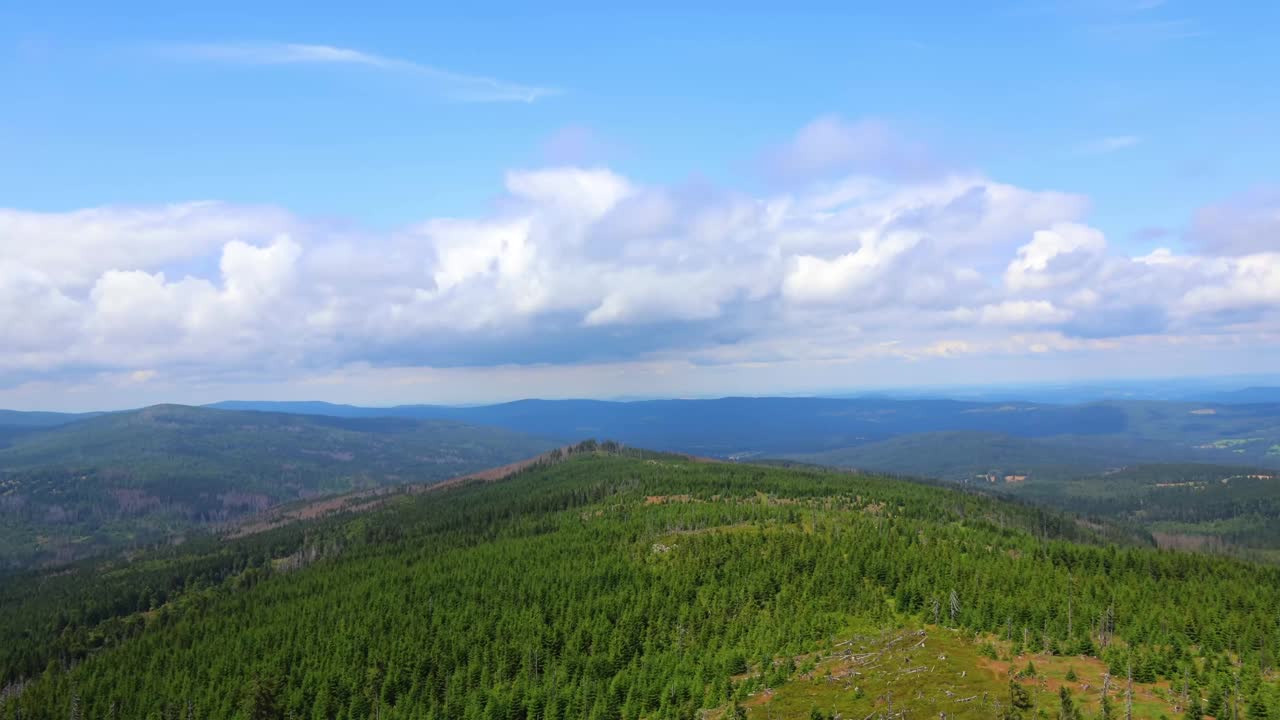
(934,672)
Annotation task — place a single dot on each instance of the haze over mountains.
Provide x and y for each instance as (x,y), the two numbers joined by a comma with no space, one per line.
(929,437)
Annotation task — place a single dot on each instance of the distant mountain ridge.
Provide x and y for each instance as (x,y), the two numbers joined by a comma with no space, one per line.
(731,425)
(934,437)
(39,418)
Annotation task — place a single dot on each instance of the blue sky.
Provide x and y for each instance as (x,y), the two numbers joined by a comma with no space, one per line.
(369,137)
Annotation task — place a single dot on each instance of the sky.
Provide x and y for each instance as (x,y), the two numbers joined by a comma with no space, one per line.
(406,202)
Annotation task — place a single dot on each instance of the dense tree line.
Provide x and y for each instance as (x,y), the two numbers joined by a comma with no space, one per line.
(614,585)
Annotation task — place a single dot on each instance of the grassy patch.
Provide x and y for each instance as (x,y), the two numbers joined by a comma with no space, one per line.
(923,673)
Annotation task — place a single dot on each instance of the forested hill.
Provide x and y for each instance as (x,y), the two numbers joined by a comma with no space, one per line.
(650,586)
(724,426)
(1209,507)
(127,478)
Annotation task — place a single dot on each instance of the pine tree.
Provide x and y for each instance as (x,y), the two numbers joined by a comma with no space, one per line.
(1066,705)
(262,702)
(1019,699)
(1194,710)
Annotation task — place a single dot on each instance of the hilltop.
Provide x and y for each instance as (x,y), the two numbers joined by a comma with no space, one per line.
(642,585)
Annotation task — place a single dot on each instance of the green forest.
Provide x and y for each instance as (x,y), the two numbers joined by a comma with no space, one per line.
(1214,508)
(624,584)
(126,479)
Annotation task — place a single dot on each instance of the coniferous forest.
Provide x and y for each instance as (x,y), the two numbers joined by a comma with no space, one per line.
(625,584)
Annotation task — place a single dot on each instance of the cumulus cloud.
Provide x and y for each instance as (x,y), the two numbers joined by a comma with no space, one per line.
(75,248)
(579,265)
(34,313)
(1065,255)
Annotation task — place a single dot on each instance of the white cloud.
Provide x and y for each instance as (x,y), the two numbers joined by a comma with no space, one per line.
(853,276)
(75,248)
(578,266)
(1014,313)
(1249,282)
(451,85)
(1065,254)
(34,312)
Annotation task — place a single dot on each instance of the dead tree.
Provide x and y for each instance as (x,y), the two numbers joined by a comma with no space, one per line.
(1103,700)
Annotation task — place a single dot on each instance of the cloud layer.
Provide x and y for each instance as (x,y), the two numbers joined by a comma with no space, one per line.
(578,266)
(451,85)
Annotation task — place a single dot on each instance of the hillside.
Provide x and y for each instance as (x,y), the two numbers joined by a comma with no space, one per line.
(649,586)
(962,456)
(1189,505)
(1197,506)
(15,423)
(134,477)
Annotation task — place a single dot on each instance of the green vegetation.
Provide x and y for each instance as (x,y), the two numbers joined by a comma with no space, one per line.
(126,479)
(1190,506)
(645,586)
